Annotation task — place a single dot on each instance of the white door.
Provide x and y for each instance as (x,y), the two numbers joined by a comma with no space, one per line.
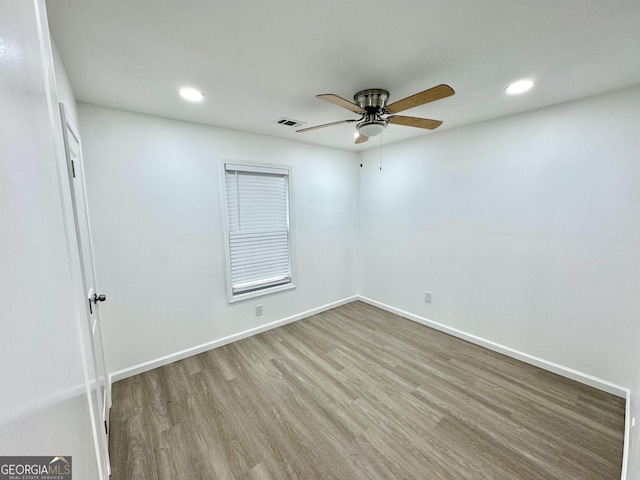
(100,393)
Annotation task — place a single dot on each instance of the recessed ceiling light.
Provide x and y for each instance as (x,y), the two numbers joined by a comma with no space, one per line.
(191,94)
(520,86)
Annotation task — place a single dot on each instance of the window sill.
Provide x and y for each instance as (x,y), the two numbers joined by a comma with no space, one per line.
(260,293)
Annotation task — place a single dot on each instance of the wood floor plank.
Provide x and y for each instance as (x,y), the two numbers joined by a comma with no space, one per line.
(359,393)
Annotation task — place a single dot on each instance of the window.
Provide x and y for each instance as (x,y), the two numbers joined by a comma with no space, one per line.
(258,240)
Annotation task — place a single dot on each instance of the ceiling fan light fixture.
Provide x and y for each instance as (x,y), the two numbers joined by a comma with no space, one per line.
(371,128)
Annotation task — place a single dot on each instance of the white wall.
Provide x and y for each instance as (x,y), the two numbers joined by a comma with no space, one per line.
(43,396)
(153,191)
(525,229)
(63,88)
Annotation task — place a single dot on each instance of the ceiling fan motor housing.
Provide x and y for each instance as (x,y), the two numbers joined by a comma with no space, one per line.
(373,100)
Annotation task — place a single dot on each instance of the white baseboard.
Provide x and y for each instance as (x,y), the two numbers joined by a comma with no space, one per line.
(496,347)
(510,352)
(174,357)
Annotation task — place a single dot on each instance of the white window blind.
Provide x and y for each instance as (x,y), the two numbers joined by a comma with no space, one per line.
(258,222)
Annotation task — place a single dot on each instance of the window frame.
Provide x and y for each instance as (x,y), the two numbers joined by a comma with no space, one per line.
(257,168)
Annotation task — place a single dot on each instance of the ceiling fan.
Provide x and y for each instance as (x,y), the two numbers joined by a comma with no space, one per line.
(371,104)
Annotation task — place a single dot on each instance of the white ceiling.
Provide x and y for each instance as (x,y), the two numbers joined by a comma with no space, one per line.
(257,61)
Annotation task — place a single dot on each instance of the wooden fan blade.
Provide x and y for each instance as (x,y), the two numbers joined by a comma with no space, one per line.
(361,138)
(414,122)
(308,129)
(341,102)
(431,95)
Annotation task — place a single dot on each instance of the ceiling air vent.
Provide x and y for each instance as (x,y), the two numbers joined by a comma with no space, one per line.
(287,122)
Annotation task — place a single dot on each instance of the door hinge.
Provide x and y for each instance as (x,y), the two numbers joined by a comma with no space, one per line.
(73,168)
(106,430)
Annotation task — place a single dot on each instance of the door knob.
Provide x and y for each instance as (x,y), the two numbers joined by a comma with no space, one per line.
(99,298)
(95,299)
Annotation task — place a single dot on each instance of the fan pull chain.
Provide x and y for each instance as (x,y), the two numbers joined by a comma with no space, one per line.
(361,155)
(380,150)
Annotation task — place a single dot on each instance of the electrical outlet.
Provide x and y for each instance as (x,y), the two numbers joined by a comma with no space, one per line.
(427,297)
(258,310)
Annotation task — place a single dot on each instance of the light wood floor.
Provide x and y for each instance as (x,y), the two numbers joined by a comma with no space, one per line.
(359,393)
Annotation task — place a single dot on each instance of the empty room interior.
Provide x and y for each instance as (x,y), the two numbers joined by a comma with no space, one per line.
(320,240)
